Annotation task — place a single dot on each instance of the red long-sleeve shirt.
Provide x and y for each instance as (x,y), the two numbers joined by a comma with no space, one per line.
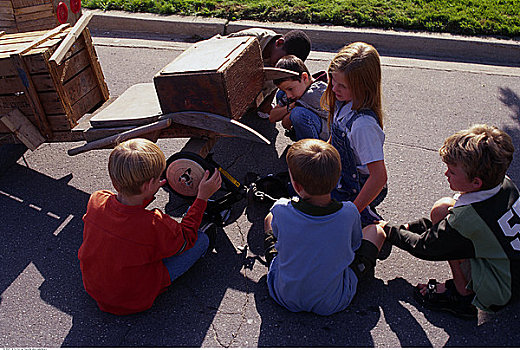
(123,247)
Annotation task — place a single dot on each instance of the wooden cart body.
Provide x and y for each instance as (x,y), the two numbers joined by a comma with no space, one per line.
(54,87)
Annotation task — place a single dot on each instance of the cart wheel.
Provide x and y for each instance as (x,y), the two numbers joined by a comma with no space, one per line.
(62,12)
(183,173)
(75,6)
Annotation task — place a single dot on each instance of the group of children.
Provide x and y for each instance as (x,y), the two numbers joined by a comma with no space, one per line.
(322,243)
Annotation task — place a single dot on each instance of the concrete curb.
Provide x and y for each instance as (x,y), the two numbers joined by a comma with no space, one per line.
(393,43)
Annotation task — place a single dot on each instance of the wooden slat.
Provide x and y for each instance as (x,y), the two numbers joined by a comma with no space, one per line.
(9,102)
(32,9)
(94,62)
(6,11)
(72,65)
(9,85)
(82,83)
(43,38)
(36,24)
(26,3)
(32,95)
(23,129)
(43,82)
(32,16)
(59,122)
(51,103)
(86,104)
(71,37)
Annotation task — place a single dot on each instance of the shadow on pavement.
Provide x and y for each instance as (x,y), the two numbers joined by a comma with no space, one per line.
(511,100)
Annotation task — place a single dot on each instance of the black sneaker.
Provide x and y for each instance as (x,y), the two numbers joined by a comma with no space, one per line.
(449,301)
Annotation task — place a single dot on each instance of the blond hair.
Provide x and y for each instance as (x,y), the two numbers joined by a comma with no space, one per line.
(481,151)
(133,163)
(360,64)
(314,164)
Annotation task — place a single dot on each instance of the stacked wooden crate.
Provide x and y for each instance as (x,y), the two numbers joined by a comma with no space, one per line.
(51,93)
(30,15)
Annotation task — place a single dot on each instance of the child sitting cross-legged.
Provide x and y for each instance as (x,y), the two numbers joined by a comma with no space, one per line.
(316,250)
(131,254)
(298,102)
(476,231)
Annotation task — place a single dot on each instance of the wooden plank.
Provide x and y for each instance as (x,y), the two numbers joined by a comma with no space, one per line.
(32,9)
(32,95)
(6,3)
(72,65)
(216,123)
(43,38)
(43,82)
(23,129)
(86,104)
(26,3)
(6,10)
(9,102)
(137,105)
(71,37)
(10,85)
(33,16)
(51,103)
(94,63)
(136,132)
(80,85)
(59,122)
(31,25)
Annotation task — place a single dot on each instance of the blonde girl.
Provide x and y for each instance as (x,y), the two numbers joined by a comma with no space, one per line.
(353,99)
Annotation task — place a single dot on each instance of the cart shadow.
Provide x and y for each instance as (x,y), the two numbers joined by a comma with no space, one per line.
(41,233)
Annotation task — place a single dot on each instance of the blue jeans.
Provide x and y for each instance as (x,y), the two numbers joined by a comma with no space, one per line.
(179,264)
(306,123)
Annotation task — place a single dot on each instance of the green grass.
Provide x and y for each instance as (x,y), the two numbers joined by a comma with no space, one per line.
(468,17)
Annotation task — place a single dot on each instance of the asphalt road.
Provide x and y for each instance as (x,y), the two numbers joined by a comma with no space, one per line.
(223,300)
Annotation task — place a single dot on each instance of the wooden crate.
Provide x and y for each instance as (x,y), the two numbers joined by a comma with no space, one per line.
(53,96)
(220,75)
(31,15)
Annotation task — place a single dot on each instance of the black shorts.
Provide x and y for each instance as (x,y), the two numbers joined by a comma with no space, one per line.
(365,260)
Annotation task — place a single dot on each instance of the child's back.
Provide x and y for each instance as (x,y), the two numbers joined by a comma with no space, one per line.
(130,254)
(316,245)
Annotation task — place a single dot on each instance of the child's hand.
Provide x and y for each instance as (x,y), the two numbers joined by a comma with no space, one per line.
(382,223)
(209,185)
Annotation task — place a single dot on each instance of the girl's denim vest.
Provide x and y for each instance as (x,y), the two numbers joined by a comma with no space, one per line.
(351,180)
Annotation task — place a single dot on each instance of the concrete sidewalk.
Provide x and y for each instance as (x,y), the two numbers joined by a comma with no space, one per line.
(388,42)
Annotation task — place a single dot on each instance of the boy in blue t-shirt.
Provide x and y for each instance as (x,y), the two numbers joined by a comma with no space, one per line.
(315,247)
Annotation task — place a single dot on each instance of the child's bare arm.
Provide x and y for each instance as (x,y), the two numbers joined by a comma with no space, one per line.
(374,184)
(209,185)
(286,122)
(277,113)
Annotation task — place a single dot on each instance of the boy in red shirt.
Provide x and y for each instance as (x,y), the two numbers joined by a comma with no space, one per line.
(130,254)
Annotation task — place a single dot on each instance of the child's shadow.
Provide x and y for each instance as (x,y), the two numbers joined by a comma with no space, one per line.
(352,327)
(510,99)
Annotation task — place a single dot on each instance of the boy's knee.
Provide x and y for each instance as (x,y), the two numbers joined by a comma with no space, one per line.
(441,209)
(374,234)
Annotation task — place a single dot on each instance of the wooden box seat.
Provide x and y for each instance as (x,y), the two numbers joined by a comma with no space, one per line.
(220,75)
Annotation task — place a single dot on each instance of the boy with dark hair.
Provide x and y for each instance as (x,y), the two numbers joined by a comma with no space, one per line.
(476,231)
(315,247)
(274,46)
(130,254)
(298,102)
